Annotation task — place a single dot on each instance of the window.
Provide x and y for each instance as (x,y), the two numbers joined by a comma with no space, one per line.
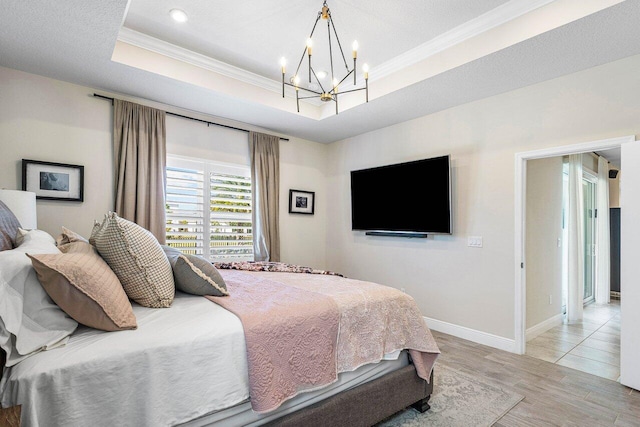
(209,209)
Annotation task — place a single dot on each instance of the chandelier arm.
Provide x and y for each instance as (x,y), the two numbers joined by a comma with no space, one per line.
(330,50)
(304,52)
(302,88)
(308,97)
(317,79)
(342,92)
(339,44)
(344,78)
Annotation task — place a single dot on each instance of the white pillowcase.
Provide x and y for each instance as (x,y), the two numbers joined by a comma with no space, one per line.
(29,320)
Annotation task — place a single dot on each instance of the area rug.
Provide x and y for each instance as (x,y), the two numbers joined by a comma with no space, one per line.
(458,400)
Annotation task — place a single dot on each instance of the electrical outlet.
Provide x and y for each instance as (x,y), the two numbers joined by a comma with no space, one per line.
(474,241)
(550,299)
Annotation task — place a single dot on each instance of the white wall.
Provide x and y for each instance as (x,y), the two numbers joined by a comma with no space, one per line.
(469,287)
(53,121)
(49,120)
(543,229)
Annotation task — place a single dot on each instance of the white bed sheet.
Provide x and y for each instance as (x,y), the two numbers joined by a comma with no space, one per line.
(181,363)
(242,415)
(184,364)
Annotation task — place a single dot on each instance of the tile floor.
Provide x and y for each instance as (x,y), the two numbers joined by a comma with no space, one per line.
(592,345)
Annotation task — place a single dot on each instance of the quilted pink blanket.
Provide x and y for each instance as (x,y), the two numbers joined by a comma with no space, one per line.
(302,330)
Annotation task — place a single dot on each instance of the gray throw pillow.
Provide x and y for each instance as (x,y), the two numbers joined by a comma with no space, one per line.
(9,225)
(195,275)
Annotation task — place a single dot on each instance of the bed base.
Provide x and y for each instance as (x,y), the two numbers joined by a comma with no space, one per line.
(367,404)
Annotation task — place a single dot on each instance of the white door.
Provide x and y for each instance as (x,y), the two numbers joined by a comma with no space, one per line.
(629,265)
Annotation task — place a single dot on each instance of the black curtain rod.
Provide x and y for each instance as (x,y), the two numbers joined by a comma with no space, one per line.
(190,118)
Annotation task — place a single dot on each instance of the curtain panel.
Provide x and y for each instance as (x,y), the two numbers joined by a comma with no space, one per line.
(265,175)
(139,140)
(575,224)
(603,266)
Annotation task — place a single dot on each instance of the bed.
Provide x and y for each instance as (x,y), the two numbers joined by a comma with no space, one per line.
(194,363)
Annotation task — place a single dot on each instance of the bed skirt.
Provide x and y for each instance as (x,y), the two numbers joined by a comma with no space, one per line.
(366,404)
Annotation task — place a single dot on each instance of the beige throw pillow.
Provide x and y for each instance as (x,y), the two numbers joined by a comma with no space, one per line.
(136,257)
(84,286)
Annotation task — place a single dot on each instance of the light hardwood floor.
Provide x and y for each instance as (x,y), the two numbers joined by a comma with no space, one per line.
(555,395)
(592,345)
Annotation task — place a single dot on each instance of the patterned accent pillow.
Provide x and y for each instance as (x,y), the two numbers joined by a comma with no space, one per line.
(9,225)
(195,275)
(136,257)
(84,286)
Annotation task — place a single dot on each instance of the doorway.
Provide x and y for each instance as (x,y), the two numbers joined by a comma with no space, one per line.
(520,225)
(583,345)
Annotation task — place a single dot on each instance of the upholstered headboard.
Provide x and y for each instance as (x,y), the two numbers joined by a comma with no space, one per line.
(23,206)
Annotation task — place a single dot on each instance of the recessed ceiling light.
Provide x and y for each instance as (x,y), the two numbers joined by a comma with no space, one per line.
(178,15)
(321,74)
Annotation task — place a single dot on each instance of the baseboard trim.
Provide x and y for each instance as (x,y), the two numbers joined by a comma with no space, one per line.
(543,327)
(474,335)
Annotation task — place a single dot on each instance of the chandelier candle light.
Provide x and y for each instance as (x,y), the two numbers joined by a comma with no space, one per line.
(324,94)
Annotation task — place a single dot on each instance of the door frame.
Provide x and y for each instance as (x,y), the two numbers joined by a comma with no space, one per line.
(520,309)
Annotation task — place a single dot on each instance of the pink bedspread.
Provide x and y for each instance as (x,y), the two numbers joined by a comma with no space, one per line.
(303,329)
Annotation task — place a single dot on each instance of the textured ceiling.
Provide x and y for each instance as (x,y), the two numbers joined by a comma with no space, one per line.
(235,31)
(75,43)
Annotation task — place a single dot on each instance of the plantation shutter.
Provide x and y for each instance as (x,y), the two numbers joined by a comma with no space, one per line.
(185,213)
(209,209)
(231,228)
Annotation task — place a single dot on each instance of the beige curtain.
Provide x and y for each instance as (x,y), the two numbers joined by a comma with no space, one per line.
(603,258)
(265,176)
(575,224)
(139,140)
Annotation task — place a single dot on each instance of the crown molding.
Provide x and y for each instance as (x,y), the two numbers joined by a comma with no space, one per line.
(162,47)
(144,41)
(485,22)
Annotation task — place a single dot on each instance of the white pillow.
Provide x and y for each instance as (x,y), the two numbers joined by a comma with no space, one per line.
(34,240)
(29,320)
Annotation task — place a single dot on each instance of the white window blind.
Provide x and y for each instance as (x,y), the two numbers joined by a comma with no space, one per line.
(209,209)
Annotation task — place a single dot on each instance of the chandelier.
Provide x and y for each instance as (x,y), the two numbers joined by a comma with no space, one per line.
(326,92)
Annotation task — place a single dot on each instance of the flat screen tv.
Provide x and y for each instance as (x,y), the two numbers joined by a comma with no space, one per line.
(412,197)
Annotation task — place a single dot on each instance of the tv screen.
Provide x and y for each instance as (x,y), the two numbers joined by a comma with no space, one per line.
(405,197)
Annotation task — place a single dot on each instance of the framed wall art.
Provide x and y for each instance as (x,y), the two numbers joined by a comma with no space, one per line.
(301,201)
(53,181)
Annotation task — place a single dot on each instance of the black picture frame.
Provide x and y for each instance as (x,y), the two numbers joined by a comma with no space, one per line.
(53,181)
(302,202)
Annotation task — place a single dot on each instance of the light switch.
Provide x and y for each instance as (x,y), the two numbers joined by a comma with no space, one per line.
(474,241)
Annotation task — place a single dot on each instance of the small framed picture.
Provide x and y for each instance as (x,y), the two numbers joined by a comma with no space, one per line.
(53,181)
(301,201)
